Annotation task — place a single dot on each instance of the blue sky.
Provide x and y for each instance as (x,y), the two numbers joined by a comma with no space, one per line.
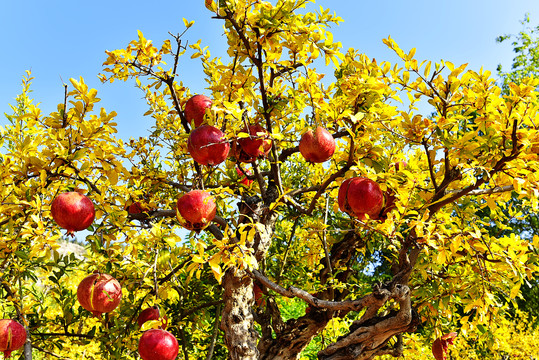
(60,39)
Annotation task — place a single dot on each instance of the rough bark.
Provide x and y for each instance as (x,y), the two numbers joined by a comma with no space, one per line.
(369,336)
(296,335)
(237,321)
(237,318)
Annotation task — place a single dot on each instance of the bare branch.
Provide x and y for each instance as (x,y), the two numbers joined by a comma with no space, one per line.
(291,292)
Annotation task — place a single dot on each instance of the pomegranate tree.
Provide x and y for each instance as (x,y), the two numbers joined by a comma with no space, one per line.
(152,313)
(73,211)
(99,293)
(195,210)
(257,144)
(317,146)
(360,196)
(208,145)
(12,336)
(195,109)
(158,344)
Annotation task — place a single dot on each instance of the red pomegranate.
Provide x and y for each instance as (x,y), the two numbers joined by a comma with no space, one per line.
(195,210)
(73,211)
(243,179)
(208,145)
(317,147)
(359,196)
(441,345)
(240,155)
(136,208)
(157,344)
(195,108)
(12,336)
(257,144)
(99,293)
(152,313)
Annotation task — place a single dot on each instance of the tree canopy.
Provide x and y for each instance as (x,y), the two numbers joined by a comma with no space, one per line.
(288,267)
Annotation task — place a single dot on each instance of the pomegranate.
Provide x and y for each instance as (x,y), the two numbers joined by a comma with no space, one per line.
(240,155)
(317,147)
(157,344)
(359,196)
(195,210)
(136,208)
(243,179)
(152,313)
(12,336)
(99,293)
(441,345)
(208,145)
(195,109)
(73,211)
(257,144)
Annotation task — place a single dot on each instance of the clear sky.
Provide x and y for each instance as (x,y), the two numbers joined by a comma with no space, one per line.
(60,39)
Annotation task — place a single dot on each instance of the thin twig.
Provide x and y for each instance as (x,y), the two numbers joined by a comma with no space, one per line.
(215,332)
(50,353)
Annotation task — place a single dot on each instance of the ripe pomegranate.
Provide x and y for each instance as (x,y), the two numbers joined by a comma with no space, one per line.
(240,155)
(12,336)
(157,344)
(152,313)
(317,147)
(195,210)
(243,179)
(99,293)
(195,108)
(441,345)
(73,211)
(208,145)
(136,208)
(359,196)
(257,144)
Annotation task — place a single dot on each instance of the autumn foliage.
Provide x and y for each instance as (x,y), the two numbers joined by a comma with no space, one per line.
(351,253)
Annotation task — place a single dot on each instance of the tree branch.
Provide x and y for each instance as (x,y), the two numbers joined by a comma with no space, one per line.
(291,292)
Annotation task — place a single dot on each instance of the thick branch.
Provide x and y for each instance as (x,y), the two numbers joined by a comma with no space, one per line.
(291,292)
(367,339)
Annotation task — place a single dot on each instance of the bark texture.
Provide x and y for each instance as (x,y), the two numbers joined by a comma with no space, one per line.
(237,318)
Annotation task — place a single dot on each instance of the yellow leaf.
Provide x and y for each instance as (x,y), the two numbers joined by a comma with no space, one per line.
(113,177)
(491,203)
(151,324)
(427,69)
(440,259)
(188,24)
(536,241)
(514,291)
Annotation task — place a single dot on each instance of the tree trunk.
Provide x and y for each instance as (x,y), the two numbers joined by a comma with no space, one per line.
(237,319)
